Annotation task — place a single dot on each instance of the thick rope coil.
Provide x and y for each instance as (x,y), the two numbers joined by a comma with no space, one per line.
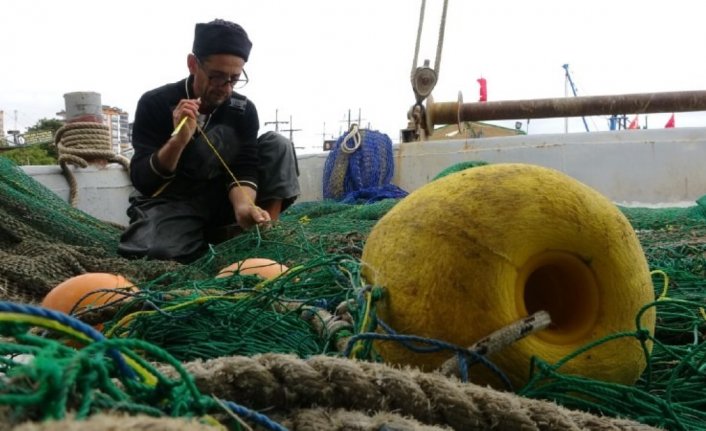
(283,383)
(82,143)
(316,419)
(115,421)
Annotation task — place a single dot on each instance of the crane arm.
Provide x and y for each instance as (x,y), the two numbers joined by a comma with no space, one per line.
(573,90)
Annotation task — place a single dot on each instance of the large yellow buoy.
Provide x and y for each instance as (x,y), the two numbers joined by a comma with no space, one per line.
(472,252)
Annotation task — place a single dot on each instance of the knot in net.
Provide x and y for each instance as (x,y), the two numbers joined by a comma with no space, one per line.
(359,168)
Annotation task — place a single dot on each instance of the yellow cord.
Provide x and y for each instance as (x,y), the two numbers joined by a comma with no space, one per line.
(223,162)
(47,323)
(127,319)
(211,421)
(161,189)
(663,295)
(665,288)
(43,322)
(179,126)
(215,151)
(359,345)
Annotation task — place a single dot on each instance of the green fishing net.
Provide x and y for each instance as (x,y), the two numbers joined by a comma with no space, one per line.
(322,302)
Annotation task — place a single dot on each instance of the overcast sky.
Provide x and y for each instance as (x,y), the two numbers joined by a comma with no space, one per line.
(315,60)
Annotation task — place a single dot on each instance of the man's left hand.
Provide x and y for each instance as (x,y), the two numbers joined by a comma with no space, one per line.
(250,216)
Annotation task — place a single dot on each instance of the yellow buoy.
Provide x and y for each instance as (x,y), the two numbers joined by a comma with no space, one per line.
(474,251)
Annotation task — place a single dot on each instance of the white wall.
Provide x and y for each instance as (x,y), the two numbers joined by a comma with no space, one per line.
(660,166)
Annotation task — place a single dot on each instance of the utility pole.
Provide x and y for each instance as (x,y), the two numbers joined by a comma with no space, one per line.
(15,132)
(323,133)
(327,143)
(291,130)
(349,119)
(276,122)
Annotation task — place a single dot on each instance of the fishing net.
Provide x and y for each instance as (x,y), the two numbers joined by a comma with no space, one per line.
(303,323)
(459,167)
(359,168)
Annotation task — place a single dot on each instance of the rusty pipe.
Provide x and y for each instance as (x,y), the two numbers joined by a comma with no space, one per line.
(641,103)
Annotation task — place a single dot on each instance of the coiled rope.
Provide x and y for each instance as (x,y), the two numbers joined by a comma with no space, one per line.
(81,143)
(281,382)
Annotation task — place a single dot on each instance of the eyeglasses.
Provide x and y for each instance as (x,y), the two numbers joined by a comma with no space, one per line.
(219,80)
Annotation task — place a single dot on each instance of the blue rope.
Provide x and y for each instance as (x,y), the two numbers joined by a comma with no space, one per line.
(71,322)
(434,345)
(254,416)
(374,194)
(91,332)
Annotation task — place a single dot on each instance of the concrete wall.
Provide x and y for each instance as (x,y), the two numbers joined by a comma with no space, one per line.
(660,166)
(103,192)
(647,166)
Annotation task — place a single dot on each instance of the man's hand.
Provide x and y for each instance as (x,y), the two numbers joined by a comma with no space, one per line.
(189,109)
(168,156)
(248,216)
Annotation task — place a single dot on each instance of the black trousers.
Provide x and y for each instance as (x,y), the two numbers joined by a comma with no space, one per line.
(181,226)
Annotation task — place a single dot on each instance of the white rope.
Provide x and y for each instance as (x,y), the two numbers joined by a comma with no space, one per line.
(500,339)
(353,134)
(419,37)
(440,43)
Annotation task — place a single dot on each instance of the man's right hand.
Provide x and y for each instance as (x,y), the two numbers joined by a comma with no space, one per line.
(188,108)
(168,155)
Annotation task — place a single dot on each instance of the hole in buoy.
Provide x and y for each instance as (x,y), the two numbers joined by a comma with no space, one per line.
(564,286)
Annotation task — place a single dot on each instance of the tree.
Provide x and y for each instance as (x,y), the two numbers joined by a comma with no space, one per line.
(41,154)
(52,124)
(30,155)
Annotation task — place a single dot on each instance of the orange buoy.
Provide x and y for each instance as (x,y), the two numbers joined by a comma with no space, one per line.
(265,268)
(88,290)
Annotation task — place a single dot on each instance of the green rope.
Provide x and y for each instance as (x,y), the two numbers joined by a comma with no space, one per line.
(43,241)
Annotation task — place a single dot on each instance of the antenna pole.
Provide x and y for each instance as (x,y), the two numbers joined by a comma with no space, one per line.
(276,122)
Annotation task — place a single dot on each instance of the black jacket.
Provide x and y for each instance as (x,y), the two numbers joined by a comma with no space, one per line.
(232,129)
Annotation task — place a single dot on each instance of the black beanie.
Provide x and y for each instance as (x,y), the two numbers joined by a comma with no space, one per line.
(221,37)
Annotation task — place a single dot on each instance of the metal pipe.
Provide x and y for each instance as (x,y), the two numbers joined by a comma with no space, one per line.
(642,103)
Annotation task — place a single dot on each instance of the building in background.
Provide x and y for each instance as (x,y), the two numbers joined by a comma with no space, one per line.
(474,129)
(2,124)
(87,106)
(118,124)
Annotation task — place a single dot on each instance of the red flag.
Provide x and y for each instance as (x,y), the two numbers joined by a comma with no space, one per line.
(483,89)
(635,123)
(670,123)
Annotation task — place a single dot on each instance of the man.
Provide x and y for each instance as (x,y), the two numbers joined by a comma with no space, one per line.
(199,166)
